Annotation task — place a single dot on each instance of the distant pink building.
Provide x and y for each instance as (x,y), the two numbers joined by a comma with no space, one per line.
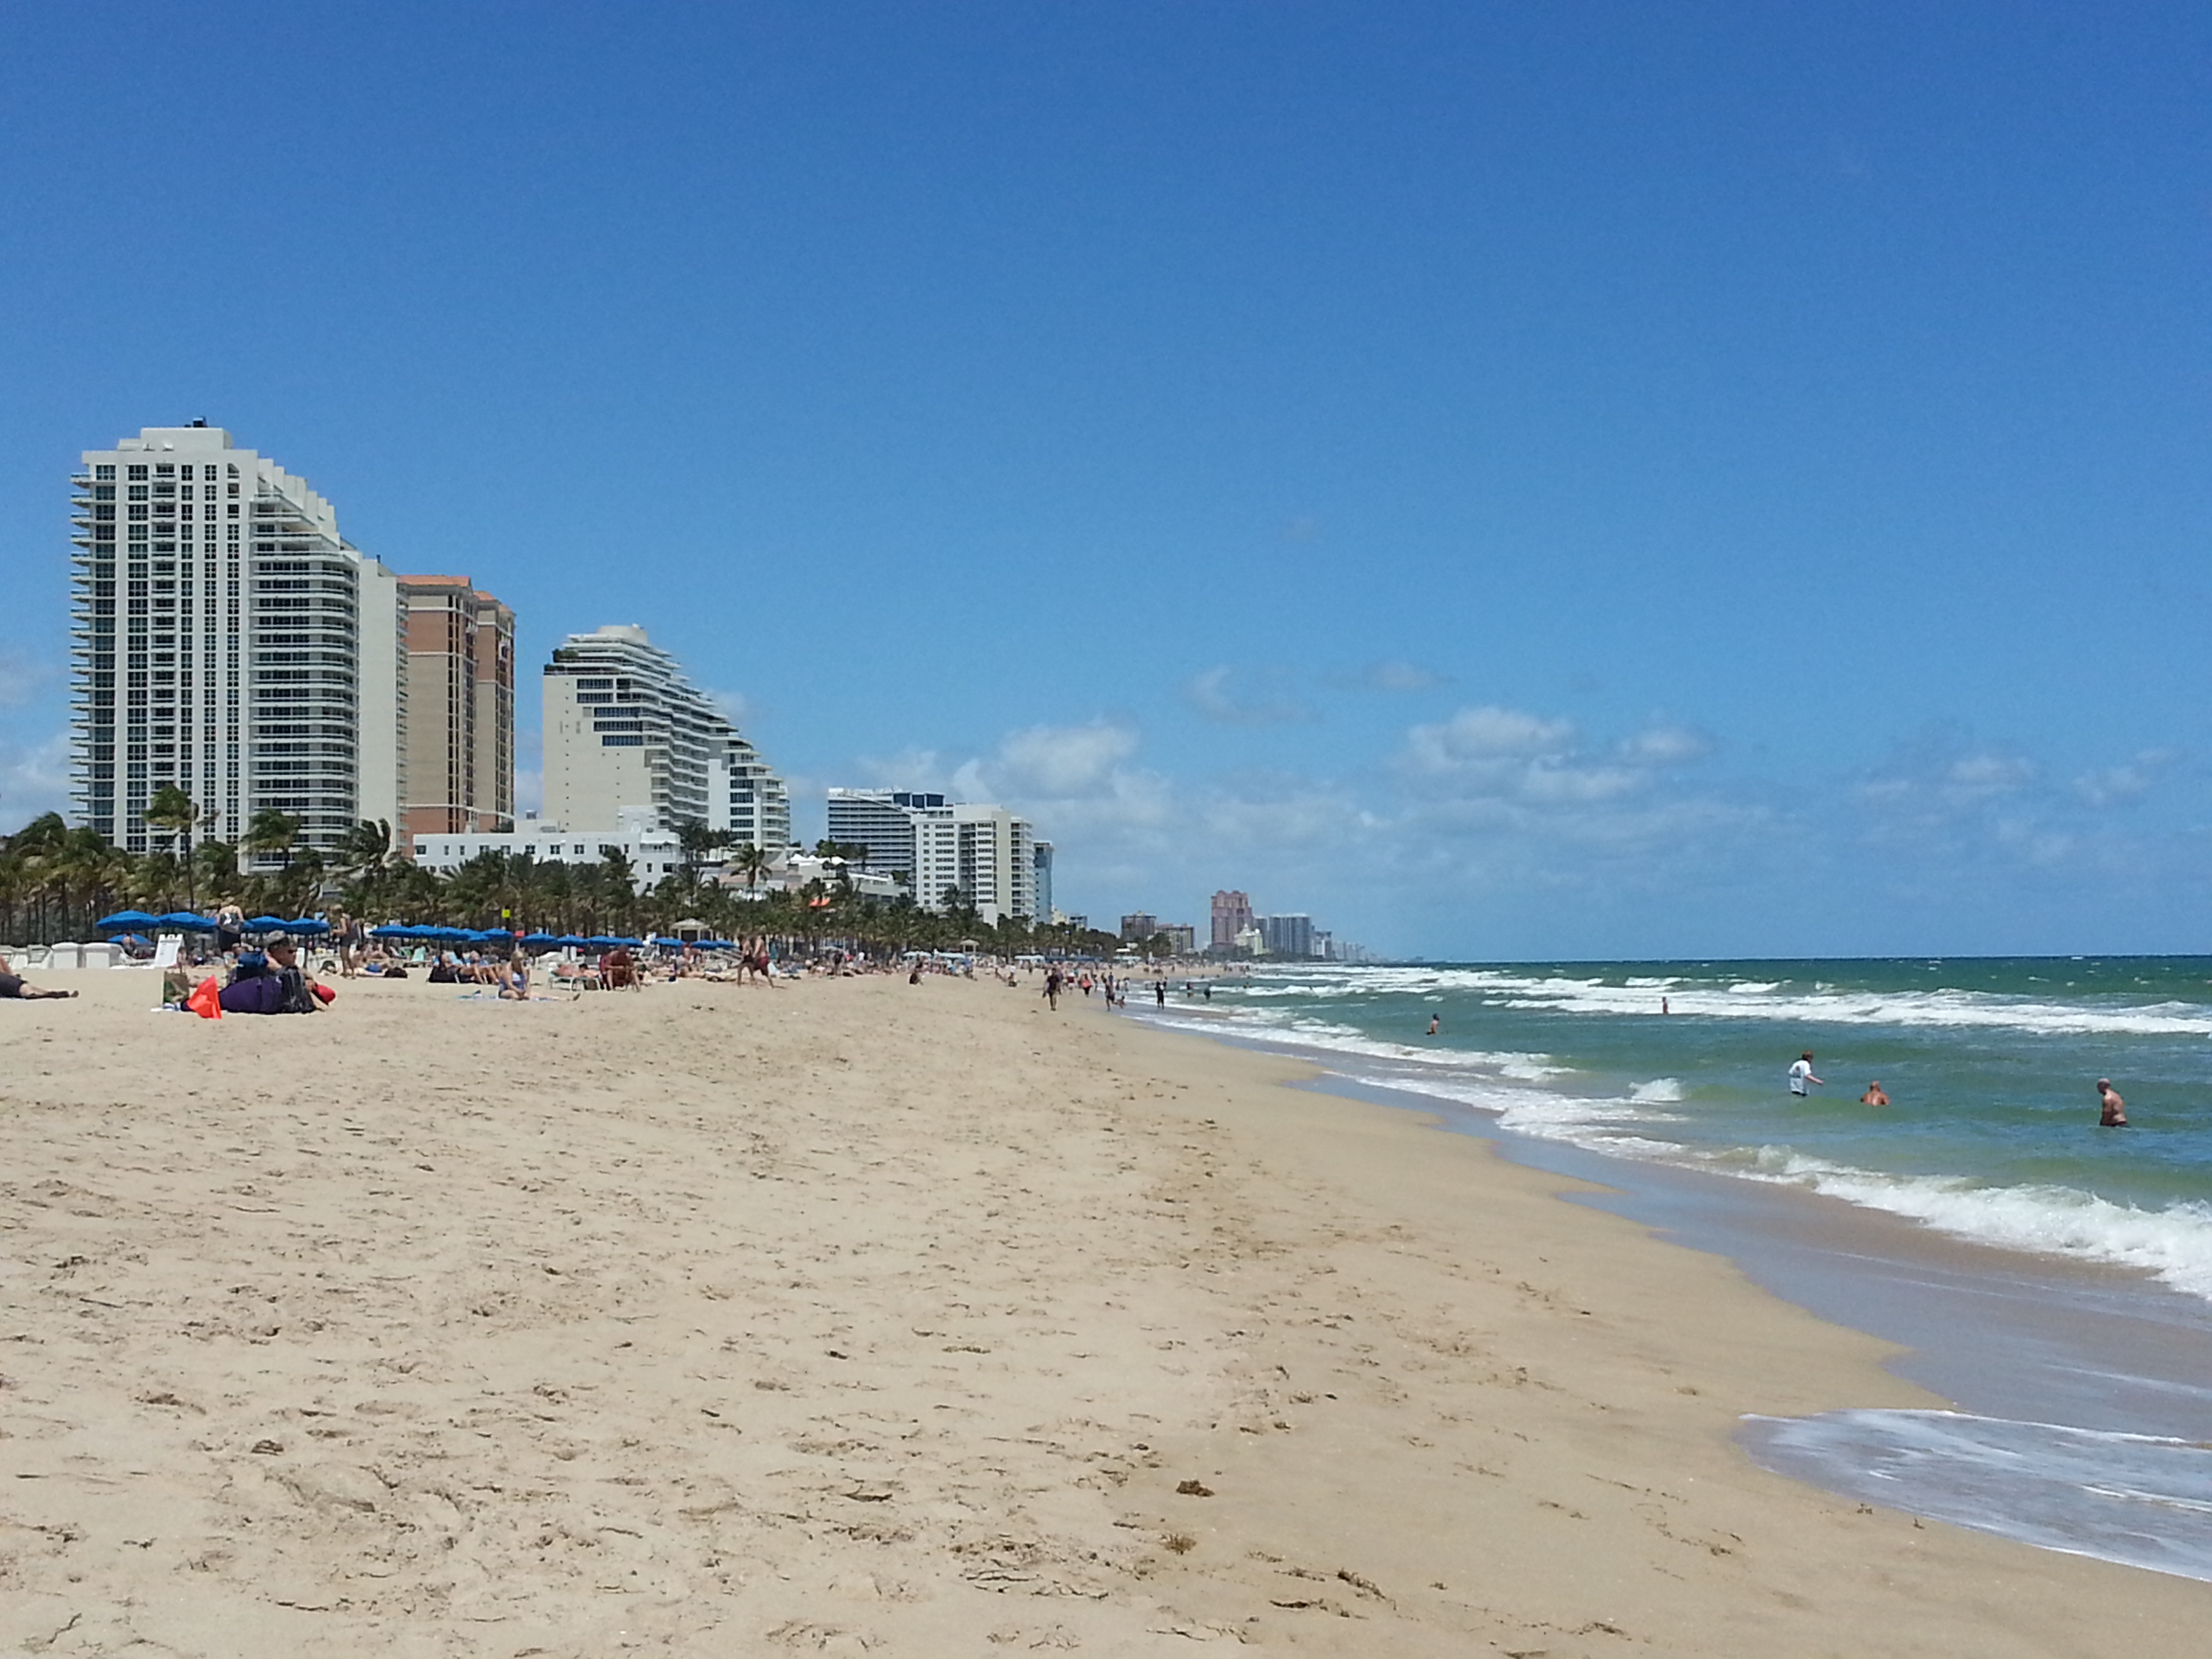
(1232,914)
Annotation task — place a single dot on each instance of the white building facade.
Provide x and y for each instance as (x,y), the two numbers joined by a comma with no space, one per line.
(652,852)
(625,729)
(227,640)
(987,852)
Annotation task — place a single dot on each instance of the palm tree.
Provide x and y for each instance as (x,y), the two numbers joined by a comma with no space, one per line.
(361,858)
(699,843)
(271,834)
(754,862)
(172,810)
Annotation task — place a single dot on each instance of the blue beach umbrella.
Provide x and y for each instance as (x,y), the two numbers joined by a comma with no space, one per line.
(184,922)
(127,919)
(571,941)
(267,924)
(306,925)
(128,939)
(394,930)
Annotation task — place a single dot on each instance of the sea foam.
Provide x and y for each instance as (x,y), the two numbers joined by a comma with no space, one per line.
(2139,1500)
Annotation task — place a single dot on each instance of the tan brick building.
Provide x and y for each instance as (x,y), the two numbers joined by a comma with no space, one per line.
(460,710)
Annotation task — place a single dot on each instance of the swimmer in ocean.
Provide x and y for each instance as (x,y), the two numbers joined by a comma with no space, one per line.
(2112,1111)
(1873,1095)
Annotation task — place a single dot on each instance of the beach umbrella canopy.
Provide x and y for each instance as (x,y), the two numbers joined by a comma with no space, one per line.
(185,921)
(395,930)
(494,936)
(128,939)
(306,925)
(451,935)
(601,941)
(127,919)
(266,925)
(540,941)
(570,941)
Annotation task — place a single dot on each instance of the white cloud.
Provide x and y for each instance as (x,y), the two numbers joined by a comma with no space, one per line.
(1475,737)
(34,779)
(22,676)
(1390,675)
(1214,696)
(1667,746)
(1064,760)
(2130,781)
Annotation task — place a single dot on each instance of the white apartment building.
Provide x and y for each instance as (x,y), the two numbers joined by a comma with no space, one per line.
(653,851)
(624,729)
(227,641)
(985,852)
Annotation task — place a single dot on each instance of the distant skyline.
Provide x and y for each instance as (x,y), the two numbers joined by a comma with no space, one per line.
(1576,481)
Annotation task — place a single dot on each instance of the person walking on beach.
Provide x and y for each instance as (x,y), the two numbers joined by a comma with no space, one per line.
(2112,1111)
(1052,985)
(1800,1073)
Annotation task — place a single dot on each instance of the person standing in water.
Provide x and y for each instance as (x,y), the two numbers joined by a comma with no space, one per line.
(1801,1072)
(2112,1111)
(1435,1025)
(1875,1095)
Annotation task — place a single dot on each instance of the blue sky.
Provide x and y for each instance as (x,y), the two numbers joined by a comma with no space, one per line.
(1508,481)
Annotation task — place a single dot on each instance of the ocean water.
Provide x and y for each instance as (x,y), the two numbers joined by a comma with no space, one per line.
(1990,1067)
(1991,1139)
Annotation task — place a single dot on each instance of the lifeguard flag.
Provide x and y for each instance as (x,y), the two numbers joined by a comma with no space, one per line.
(207,1000)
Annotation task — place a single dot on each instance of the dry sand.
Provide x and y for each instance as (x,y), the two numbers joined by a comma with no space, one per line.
(855,1316)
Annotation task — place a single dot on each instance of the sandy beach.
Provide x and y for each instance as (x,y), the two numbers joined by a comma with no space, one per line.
(855,1316)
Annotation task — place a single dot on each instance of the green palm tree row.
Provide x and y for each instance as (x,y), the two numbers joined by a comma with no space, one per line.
(55,882)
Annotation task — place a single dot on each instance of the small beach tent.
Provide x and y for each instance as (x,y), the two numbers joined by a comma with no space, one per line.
(127,919)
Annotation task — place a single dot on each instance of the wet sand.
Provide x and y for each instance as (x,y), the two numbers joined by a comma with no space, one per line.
(855,1316)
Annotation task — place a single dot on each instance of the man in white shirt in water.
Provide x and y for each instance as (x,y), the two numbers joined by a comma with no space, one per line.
(1801,1072)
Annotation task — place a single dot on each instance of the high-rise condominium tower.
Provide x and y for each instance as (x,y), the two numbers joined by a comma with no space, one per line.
(985,852)
(624,728)
(228,641)
(460,710)
(1232,914)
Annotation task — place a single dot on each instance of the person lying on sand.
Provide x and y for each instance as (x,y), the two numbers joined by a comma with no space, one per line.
(12,987)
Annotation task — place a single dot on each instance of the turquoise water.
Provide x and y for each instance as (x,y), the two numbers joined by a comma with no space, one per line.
(1990,1064)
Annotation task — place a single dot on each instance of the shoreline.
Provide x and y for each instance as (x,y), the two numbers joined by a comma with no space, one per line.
(856,1316)
(2037,1353)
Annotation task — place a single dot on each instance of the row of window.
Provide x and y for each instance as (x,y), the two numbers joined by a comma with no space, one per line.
(164,469)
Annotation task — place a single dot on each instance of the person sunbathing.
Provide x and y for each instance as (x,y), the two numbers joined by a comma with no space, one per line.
(272,983)
(12,987)
(514,979)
